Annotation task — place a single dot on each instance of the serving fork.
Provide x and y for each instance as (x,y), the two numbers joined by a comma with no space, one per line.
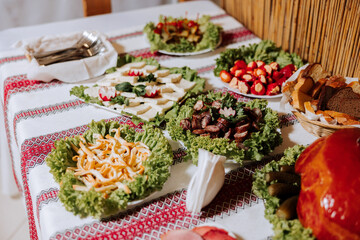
(87,46)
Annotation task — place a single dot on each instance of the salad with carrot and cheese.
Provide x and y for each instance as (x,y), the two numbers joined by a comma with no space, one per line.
(108,167)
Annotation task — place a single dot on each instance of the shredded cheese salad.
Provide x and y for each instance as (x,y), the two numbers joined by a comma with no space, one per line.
(106,163)
(109,166)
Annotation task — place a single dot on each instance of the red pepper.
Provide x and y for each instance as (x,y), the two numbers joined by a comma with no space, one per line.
(135,73)
(258,72)
(248,77)
(273,89)
(275,66)
(263,79)
(260,63)
(152,92)
(257,88)
(233,70)
(277,75)
(106,93)
(239,73)
(157,30)
(268,69)
(281,81)
(243,87)
(251,66)
(225,76)
(241,64)
(288,70)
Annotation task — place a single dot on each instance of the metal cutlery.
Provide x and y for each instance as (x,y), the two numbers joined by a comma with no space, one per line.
(87,46)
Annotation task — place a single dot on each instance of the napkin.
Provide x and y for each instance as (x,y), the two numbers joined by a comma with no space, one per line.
(70,71)
(206,182)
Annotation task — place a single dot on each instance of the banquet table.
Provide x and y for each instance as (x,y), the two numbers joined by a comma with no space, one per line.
(35,114)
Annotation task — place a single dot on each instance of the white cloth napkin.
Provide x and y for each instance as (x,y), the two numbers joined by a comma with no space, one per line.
(71,71)
(206,182)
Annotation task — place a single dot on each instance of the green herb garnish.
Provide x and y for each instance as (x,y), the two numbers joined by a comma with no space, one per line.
(119,100)
(148,78)
(124,87)
(139,90)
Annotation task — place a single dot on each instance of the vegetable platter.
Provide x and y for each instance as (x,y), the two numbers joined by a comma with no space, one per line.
(183,36)
(258,70)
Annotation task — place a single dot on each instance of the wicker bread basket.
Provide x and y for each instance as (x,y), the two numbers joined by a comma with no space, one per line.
(317,128)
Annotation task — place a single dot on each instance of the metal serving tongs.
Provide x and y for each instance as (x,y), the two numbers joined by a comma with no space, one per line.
(87,46)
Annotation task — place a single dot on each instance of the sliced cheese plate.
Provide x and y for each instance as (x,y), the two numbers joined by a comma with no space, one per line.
(137,89)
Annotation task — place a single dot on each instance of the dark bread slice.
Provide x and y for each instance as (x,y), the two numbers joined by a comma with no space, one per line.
(326,93)
(315,91)
(345,101)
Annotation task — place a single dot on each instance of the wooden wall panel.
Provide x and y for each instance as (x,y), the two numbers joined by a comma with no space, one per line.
(324,31)
(96,7)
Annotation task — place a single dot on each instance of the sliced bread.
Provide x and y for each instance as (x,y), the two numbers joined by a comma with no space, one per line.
(345,101)
(314,71)
(326,93)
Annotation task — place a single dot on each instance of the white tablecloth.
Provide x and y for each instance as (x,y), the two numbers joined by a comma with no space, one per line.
(36,114)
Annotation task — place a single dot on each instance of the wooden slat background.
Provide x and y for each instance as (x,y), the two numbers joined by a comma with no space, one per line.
(96,7)
(324,31)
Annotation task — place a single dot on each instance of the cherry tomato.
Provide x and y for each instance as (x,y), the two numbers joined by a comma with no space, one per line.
(192,23)
(160,25)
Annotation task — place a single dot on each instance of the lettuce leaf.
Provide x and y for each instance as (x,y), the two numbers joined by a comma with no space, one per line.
(127,58)
(78,91)
(265,50)
(259,144)
(210,38)
(283,229)
(92,203)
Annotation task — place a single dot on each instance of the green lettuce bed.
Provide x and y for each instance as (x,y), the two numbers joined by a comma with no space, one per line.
(93,203)
(187,73)
(259,144)
(283,229)
(210,39)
